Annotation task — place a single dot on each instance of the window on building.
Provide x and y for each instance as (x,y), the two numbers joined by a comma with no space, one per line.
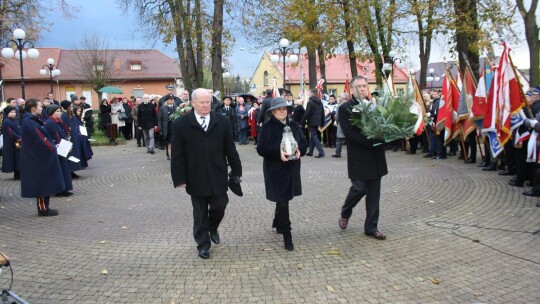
(135,66)
(137,92)
(400,91)
(98,67)
(265,80)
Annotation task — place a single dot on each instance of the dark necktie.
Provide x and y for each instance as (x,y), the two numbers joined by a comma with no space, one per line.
(203,123)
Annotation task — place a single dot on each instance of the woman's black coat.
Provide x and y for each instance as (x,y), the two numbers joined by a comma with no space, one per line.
(281,179)
(105,112)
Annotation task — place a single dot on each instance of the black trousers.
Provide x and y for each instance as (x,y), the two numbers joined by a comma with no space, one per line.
(372,190)
(208,211)
(470,144)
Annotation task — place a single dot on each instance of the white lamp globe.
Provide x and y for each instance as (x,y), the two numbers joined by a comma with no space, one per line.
(7,52)
(437,78)
(392,54)
(56,72)
(19,34)
(274,58)
(50,61)
(293,58)
(284,43)
(431,70)
(387,67)
(429,78)
(226,75)
(18,55)
(42,72)
(33,53)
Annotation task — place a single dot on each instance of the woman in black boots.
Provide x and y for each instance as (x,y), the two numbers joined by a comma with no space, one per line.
(281,165)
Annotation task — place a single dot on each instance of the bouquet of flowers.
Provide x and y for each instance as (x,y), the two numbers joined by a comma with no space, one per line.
(182,110)
(386,121)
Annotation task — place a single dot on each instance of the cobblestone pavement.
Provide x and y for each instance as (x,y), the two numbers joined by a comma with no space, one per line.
(127,219)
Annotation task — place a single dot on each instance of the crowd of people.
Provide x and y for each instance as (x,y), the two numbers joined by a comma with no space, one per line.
(44,144)
(201,146)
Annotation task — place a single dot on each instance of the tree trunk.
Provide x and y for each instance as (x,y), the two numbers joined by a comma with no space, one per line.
(217,55)
(349,37)
(322,65)
(467,29)
(189,51)
(176,7)
(312,66)
(531,33)
(200,43)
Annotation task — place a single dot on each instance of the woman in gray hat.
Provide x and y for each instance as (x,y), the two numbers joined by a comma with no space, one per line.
(281,165)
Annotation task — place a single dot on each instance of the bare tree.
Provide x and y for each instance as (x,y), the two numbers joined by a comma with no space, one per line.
(30,15)
(94,62)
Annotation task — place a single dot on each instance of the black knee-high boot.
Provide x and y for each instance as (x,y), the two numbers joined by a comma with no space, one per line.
(285,224)
(275,221)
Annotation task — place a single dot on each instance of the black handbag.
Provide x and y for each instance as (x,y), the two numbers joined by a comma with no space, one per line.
(122,116)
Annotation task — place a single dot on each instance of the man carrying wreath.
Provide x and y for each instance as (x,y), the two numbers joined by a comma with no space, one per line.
(366,163)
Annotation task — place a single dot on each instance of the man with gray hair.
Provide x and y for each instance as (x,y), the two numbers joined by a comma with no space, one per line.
(147,120)
(202,146)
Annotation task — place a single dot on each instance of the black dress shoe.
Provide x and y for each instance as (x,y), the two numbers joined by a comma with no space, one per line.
(470,161)
(204,254)
(309,154)
(507,172)
(491,167)
(516,183)
(483,164)
(214,237)
(319,156)
(427,155)
(410,152)
(336,156)
(49,212)
(74,175)
(531,193)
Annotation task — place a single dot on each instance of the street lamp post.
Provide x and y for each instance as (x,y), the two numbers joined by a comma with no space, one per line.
(8,52)
(285,49)
(388,66)
(431,77)
(53,71)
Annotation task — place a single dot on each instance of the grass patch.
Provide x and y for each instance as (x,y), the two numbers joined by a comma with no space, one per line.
(99,139)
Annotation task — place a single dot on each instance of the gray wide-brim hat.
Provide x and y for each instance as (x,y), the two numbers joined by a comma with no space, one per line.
(278,102)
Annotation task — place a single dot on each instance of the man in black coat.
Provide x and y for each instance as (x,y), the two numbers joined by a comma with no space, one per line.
(202,146)
(147,120)
(314,117)
(366,164)
(265,106)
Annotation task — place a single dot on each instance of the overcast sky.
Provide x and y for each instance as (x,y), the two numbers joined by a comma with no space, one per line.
(105,18)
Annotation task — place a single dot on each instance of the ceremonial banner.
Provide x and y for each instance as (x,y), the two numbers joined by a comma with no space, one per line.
(479,103)
(319,88)
(418,107)
(510,97)
(467,93)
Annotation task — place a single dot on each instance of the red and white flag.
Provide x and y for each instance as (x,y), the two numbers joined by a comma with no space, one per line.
(319,88)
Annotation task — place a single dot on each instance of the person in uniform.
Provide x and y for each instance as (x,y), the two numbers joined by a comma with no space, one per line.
(11,133)
(170,93)
(202,146)
(41,174)
(56,130)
